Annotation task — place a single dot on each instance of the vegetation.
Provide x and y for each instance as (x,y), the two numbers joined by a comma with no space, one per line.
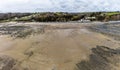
(60,16)
(8,16)
(112,13)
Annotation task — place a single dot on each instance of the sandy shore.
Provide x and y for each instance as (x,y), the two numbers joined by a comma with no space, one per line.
(59,47)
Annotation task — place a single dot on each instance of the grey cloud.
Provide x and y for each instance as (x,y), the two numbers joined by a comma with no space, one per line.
(59,5)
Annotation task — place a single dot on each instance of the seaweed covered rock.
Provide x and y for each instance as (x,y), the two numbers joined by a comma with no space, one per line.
(6,63)
(103,58)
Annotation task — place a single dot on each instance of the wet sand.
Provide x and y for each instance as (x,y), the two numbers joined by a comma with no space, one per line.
(59,47)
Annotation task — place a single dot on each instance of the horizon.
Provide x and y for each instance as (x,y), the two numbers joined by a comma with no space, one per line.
(62,12)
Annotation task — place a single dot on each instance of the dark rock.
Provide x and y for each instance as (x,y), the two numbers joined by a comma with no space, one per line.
(6,63)
(101,59)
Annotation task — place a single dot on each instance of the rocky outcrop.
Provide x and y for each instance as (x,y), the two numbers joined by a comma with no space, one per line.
(6,63)
(112,29)
(114,17)
(21,31)
(103,58)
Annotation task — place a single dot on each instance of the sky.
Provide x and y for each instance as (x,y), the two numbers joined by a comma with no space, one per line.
(59,5)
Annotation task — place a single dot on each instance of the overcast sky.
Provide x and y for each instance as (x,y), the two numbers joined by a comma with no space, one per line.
(59,5)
